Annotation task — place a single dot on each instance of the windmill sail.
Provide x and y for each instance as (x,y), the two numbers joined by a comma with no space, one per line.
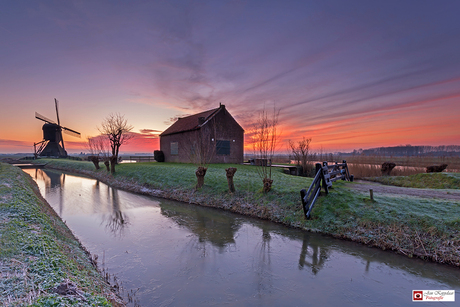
(57,111)
(71,132)
(43,118)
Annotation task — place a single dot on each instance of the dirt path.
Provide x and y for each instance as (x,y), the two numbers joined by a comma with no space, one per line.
(364,186)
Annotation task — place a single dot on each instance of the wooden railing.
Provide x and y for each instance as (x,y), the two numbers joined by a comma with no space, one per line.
(142,158)
(325,176)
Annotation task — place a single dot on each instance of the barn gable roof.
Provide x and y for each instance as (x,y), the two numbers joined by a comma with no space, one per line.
(190,123)
(193,122)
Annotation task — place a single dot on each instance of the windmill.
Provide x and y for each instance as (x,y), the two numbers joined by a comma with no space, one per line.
(53,143)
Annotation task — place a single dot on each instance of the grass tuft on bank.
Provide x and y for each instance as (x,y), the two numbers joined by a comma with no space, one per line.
(38,252)
(413,226)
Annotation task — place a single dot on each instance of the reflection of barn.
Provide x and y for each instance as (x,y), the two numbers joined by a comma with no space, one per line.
(216,130)
(215,227)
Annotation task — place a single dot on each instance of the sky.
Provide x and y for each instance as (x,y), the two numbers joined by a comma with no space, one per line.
(348,74)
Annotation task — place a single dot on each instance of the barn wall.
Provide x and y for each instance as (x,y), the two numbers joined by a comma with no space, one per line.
(221,127)
(184,140)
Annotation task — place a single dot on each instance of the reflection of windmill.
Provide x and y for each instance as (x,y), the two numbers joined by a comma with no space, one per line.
(53,143)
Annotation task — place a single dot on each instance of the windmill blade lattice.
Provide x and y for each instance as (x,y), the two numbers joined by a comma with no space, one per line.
(71,132)
(57,111)
(43,118)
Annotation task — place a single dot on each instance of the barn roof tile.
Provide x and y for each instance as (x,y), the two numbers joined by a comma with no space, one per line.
(191,122)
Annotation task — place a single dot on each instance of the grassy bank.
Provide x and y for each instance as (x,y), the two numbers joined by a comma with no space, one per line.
(413,226)
(40,259)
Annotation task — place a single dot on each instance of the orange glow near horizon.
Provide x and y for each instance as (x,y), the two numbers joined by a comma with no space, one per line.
(415,123)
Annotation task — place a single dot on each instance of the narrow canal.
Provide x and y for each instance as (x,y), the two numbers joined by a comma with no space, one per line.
(176,254)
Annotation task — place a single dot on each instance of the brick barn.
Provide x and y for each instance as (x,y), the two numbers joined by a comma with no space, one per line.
(214,134)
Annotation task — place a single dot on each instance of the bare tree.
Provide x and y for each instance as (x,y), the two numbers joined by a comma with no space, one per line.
(99,149)
(295,152)
(117,130)
(265,139)
(92,147)
(201,151)
(301,152)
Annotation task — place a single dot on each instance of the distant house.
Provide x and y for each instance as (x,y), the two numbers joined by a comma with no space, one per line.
(214,135)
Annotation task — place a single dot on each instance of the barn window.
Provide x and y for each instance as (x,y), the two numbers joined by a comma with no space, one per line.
(174,148)
(223,147)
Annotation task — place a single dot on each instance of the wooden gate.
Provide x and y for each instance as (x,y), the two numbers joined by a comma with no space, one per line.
(325,176)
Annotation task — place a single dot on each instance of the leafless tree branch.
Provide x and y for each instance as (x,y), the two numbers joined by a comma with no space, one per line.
(265,136)
(301,153)
(116,128)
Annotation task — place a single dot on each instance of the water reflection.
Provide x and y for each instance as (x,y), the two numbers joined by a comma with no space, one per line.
(220,230)
(263,270)
(312,255)
(103,199)
(117,220)
(204,223)
(53,183)
(178,254)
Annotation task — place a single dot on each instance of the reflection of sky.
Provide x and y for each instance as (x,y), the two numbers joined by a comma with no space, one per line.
(172,261)
(349,74)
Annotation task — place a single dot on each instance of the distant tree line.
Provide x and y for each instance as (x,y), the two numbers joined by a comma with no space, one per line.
(409,150)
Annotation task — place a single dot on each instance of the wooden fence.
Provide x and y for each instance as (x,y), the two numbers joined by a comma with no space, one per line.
(142,158)
(325,176)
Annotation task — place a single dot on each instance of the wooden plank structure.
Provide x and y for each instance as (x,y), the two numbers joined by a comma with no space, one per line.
(142,158)
(325,176)
(29,165)
(289,169)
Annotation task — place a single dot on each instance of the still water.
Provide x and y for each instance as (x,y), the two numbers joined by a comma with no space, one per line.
(176,254)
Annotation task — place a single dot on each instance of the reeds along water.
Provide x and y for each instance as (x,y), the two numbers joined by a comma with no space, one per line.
(372,170)
(370,166)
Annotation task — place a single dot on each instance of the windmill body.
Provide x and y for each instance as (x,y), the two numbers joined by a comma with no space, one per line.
(55,145)
(52,144)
